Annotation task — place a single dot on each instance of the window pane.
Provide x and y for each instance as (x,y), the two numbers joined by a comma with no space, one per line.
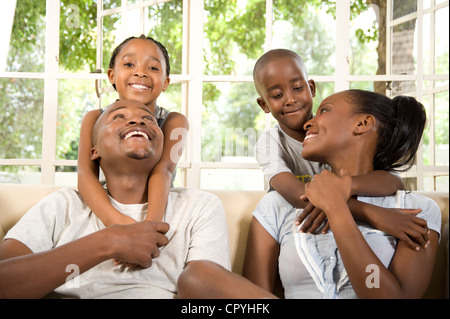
(401,8)
(21,105)
(442,45)
(20,174)
(231,119)
(27,41)
(427,134)
(232,179)
(165,24)
(403,54)
(110,4)
(77,40)
(235,35)
(442,183)
(76,97)
(314,41)
(110,38)
(366,85)
(323,90)
(364,42)
(171,99)
(66,176)
(441,128)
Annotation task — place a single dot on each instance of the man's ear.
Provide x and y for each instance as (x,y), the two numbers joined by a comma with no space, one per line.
(263,105)
(95,155)
(365,123)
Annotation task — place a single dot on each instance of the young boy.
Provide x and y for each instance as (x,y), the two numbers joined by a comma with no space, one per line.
(282,83)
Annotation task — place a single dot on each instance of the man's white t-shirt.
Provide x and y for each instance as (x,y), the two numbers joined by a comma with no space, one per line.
(198,230)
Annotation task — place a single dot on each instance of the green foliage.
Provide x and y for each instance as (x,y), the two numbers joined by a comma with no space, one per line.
(234,38)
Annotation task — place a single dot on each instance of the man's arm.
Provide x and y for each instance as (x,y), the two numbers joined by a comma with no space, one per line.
(27,275)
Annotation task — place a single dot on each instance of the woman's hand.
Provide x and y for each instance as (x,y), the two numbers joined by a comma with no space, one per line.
(327,189)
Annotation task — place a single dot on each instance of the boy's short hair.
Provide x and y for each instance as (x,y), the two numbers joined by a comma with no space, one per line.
(276,54)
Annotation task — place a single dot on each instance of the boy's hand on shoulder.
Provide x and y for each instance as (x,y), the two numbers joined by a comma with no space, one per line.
(312,218)
(402,224)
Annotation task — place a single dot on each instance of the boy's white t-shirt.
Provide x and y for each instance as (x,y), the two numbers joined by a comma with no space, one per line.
(277,152)
(198,230)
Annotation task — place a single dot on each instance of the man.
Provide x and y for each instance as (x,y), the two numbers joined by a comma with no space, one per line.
(60,237)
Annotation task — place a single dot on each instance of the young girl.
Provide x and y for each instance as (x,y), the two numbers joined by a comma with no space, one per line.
(138,70)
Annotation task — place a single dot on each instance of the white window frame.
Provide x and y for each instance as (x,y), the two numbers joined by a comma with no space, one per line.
(193,78)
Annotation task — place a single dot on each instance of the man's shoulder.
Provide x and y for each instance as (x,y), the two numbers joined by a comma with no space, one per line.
(185,193)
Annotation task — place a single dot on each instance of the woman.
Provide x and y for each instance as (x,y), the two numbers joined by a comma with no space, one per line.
(355,132)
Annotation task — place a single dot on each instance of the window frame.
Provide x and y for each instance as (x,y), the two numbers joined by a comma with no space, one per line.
(192,79)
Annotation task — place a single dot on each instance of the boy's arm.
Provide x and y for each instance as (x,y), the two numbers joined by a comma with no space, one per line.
(400,223)
(376,183)
(290,187)
(89,186)
(175,131)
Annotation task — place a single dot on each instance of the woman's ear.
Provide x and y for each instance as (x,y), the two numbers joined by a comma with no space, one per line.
(365,123)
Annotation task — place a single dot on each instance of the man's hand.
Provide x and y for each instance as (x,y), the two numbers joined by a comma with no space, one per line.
(138,243)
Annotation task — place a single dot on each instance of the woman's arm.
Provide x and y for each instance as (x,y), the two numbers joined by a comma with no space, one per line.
(175,131)
(409,272)
(261,257)
(89,186)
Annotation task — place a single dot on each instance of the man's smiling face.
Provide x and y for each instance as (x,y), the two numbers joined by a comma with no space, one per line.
(127,129)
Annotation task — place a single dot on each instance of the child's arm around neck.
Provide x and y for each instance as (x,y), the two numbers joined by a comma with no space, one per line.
(175,131)
(89,186)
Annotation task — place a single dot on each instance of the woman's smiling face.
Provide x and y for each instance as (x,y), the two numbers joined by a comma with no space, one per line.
(331,132)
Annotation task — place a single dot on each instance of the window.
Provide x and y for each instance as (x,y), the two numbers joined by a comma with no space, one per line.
(54,70)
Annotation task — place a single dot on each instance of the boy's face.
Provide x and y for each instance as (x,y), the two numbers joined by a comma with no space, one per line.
(139,72)
(286,93)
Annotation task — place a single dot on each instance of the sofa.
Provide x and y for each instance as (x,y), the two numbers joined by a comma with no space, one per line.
(16,199)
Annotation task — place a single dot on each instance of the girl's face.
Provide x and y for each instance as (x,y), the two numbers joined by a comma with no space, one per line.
(331,134)
(139,72)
